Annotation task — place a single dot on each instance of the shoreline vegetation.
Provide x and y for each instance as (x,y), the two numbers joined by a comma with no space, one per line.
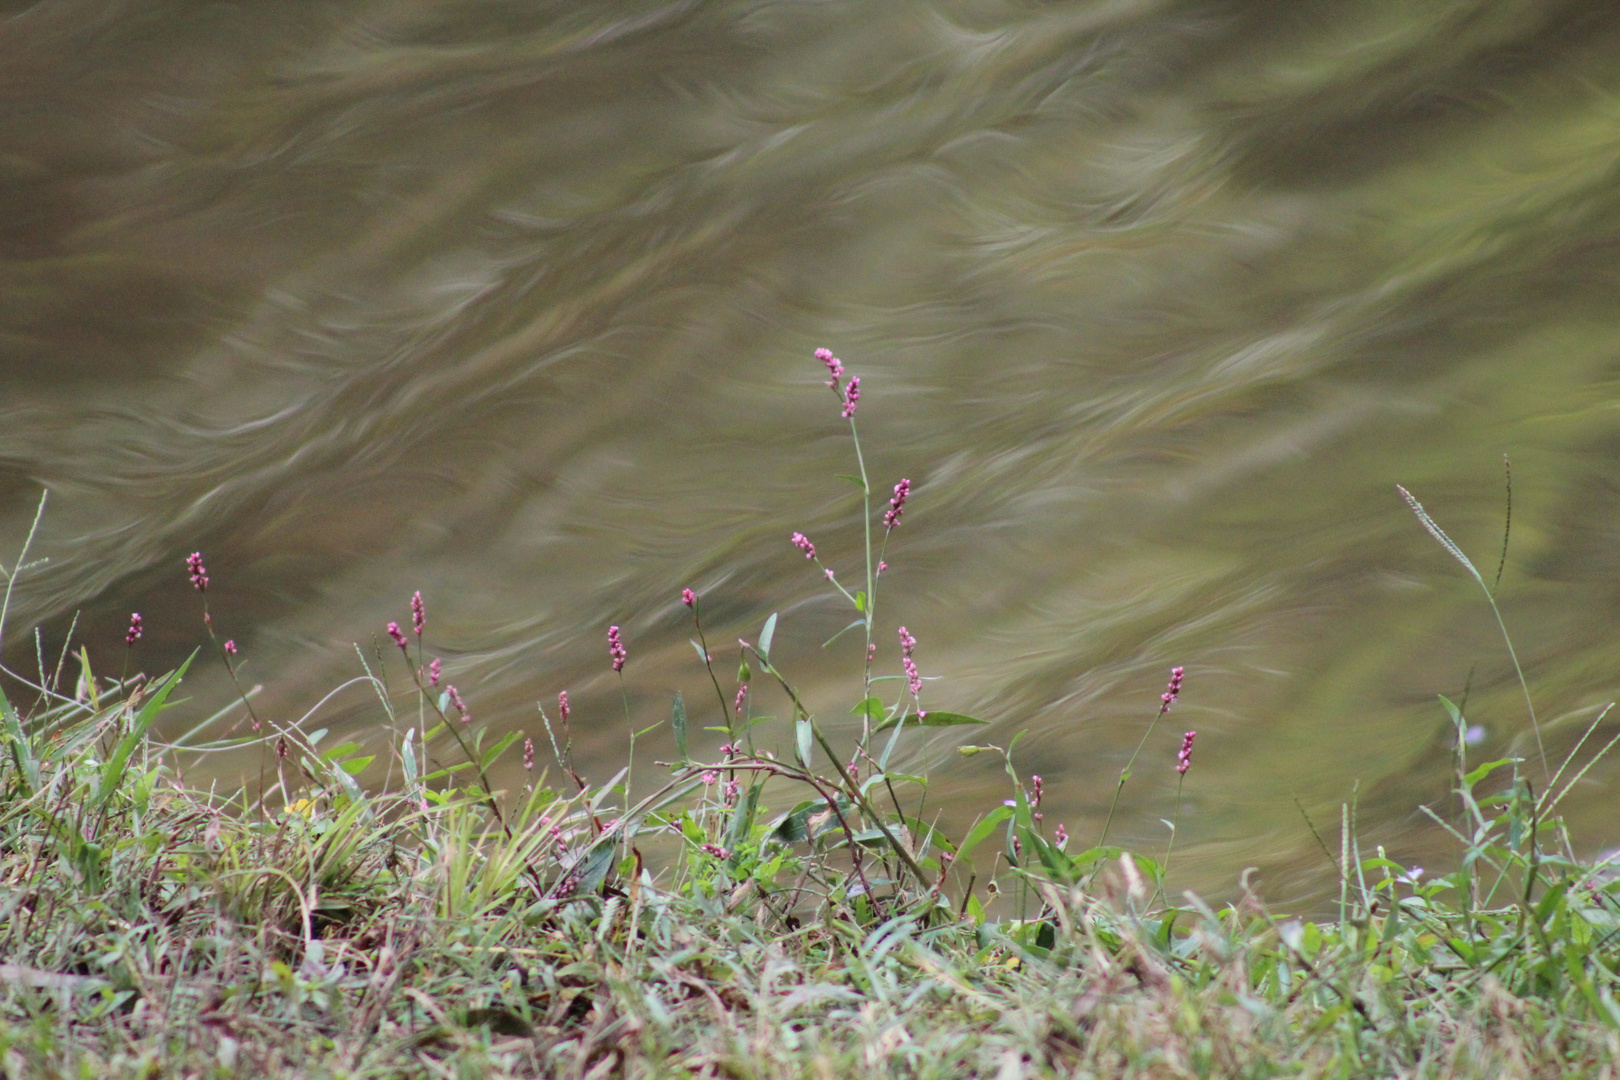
(769,904)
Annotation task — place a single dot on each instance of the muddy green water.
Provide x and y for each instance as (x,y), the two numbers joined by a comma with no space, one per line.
(1155,302)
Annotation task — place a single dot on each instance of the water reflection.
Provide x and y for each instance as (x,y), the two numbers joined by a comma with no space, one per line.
(1154,302)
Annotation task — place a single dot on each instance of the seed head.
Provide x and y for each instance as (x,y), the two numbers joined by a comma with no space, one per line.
(616,649)
(199,572)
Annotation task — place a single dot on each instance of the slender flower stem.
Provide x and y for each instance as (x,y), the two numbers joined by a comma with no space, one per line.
(871,584)
(1165,702)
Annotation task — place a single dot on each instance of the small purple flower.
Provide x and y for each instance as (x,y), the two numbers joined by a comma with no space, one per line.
(710,777)
(829,573)
(616,649)
(742,696)
(852,396)
(733,790)
(562,705)
(230,647)
(1184,758)
(461,706)
(907,645)
(907,642)
(528,754)
(1035,783)
(1473,736)
(689,598)
(726,750)
(418,614)
(714,849)
(199,572)
(803,543)
(1062,834)
(398,636)
(134,633)
(435,671)
(897,505)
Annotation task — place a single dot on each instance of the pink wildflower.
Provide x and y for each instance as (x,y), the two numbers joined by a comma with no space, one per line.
(1168,698)
(835,366)
(1062,834)
(714,849)
(435,671)
(852,395)
(230,647)
(897,505)
(418,614)
(616,649)
(803,543)
(134,633)
(907,642)
(710,777)
(461,706)
(562,705)
(733,790)
(199,572)
(742,695)
(398,635)
(528,754)
(689,598)
(1035,783)
(1184,758)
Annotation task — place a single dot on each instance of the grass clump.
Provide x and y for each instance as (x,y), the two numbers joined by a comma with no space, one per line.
(431,925)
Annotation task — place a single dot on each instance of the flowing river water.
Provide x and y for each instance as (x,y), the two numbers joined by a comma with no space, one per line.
(1155,301)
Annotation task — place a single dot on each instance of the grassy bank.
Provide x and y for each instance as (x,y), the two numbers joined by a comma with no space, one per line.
(737,912)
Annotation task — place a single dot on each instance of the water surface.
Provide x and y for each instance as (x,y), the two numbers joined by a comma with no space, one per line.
(1155,302)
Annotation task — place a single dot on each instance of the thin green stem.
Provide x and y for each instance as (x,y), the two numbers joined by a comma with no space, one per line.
(1125,773)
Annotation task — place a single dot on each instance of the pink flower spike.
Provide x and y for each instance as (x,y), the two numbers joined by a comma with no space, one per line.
(852,395)
(461,706)
(882,566)
(835,366)
(562,705)
(1184,758)
(897,505)
(418,614)
(803,543)
(689,598)
(435,670)
(398,636)
(829,573)
(1173,691)
(134,633)
(199,572)
(907,642)
(710,777)
(742,695)
(616,649)
(528,754)
(230,647)
(1062,834)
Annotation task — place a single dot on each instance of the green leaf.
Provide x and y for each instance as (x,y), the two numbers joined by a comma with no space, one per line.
(841,633)
(871,707)
(591,870)
(703,657)
(857,481)
(765,636)
(1485,770)
(112,774)
(984,828)
(806,740)
(935,718)
(340,750)
(742,818)
(356,766)
(677,720)
(495,751)
(860,602)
